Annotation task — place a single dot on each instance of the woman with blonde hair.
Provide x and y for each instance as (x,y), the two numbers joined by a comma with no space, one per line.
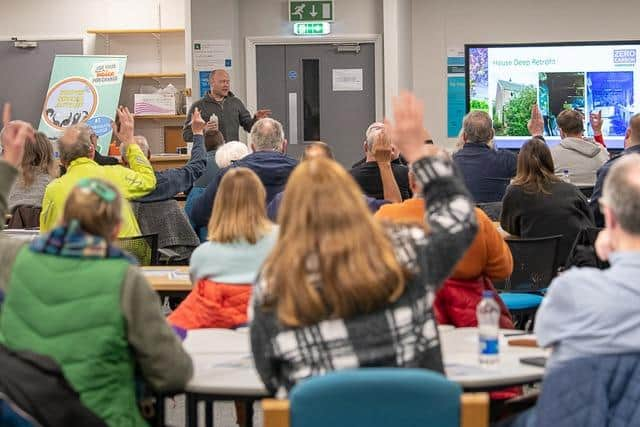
(340,290)
(75,297)
(240,236)
(37,170)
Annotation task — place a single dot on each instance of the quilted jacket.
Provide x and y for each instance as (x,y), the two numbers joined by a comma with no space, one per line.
(599,391)
(456,303)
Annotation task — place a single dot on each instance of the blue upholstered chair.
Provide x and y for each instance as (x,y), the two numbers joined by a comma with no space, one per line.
(374,397)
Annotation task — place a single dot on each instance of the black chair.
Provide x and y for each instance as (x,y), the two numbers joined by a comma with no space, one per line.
(534,266)
(583,251)
(144,248)
(492,209)
(587,190)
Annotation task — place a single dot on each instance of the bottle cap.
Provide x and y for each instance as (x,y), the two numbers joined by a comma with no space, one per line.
(487,294)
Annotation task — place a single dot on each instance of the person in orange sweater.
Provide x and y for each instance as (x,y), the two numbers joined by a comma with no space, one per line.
(488,259)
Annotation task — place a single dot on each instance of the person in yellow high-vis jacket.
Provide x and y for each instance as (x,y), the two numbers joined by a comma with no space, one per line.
(76,154)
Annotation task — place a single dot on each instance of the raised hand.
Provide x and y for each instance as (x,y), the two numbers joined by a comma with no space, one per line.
(382,148)
(197,122)
(15,134)
(596,122)
(261,114)
(407,131)
(125,131)
(536,123)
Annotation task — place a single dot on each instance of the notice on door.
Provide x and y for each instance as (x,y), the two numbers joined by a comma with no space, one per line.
(347,79)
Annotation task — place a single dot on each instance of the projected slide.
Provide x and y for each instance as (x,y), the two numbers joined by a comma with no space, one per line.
(507,80)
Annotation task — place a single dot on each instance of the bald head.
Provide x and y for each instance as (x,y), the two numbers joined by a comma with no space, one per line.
(220,83)
(621,192)
(267,135)
(633,131)
(75,143)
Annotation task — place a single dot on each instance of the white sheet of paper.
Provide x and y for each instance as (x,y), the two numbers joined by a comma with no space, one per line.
(211,55)
(347,79)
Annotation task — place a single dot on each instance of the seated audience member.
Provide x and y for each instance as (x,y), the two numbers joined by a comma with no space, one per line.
(488,259)
(224,157)
(224,268)
(590,315)
(213,140)
(76,154)
(631,145)
(99,158)
(320,149)
(580,156)
(37,170)
(486,171)
(73,296)
(268,160)
(369,175)
(341,291)
(170,182)
(231,152)
(539,204)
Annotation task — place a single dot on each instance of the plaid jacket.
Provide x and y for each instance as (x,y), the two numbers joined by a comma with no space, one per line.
(404,333)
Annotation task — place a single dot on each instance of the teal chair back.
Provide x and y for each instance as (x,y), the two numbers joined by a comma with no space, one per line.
(376,397)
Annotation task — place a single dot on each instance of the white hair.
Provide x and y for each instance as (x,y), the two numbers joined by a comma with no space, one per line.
(372,132)
(230,152)
(142,142)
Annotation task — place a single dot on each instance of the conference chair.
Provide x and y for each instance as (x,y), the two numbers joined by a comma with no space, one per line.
(534,266)
(144,248)
(375,397)
(583,251)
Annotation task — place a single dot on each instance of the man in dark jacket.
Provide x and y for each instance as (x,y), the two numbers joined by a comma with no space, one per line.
(371,174)
(268,161)
(229,110)
(631,145)
(487,172)
(170,182)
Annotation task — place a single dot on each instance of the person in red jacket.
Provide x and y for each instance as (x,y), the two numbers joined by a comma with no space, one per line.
(487,259)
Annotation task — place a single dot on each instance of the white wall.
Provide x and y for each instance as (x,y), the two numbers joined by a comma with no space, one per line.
(239,19)
(439,24)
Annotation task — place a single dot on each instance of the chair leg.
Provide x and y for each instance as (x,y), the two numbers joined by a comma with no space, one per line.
(474,410)
(276,413)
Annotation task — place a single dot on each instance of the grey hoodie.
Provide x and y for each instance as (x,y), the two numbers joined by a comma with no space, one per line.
(581,157)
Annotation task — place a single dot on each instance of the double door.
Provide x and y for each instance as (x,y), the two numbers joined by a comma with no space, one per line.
(319,92)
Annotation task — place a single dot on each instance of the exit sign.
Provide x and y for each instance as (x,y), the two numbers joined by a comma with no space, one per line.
(314,10)
(311,28)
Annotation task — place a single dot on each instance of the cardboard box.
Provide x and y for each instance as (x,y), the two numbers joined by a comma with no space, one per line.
(151,104)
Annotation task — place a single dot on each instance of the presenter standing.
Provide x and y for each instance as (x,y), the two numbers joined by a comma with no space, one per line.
(230,113)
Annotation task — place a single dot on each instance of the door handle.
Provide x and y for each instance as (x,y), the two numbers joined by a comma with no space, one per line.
(293,118)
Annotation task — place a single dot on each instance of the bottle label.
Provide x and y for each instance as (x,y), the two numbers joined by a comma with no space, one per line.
(489,345)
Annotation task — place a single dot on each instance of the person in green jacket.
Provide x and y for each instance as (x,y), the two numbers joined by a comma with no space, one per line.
(77,153)
(73,296)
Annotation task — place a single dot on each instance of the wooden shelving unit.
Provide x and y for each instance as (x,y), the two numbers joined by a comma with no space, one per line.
(154,75)
(136,31)
(126,41)
(161,117)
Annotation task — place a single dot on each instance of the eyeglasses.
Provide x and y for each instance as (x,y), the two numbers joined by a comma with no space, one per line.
(97,188)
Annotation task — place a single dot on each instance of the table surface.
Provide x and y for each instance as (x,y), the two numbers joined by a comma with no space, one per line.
(20,234)
(223,364)
(168,278)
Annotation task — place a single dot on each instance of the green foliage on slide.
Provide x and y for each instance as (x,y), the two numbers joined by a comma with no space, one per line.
(479,104)
(518,112)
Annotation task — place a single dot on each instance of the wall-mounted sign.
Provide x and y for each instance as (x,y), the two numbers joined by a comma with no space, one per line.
(311,28)
(313,10)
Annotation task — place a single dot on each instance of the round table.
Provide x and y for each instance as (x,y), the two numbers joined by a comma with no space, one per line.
(224,370)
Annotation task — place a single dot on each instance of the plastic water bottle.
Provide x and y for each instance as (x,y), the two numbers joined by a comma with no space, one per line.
(488,315)
(565,176)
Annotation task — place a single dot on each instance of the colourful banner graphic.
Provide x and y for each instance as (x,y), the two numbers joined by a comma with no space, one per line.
(83,88)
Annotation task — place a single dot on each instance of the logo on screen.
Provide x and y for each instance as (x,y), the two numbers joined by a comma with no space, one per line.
(624,56)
